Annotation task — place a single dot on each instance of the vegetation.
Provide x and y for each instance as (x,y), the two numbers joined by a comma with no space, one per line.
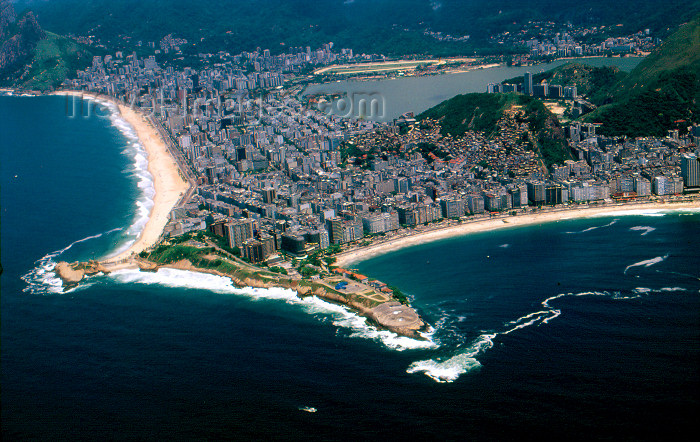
(596,83)
(333,249)
(53,60)
(681,49)
(661,93)
(481,112)
(478,112)
(220,242)
(428,148)
(547,131)
(674,103)
(370,26)
(399,295)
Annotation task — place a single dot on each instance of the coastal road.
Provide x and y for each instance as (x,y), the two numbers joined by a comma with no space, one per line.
(179,159)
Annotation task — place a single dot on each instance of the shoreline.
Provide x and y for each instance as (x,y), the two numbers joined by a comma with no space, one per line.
(356,255)
(168,185)
(389,315)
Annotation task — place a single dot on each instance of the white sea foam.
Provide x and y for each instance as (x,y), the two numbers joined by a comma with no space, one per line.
(530,319)
(42,278)
(341,316)
(649,212)
(144,203)
(645,229)
(640,291)
(646,262)
(452,368)
(449,369)
(134,150)
(595,227)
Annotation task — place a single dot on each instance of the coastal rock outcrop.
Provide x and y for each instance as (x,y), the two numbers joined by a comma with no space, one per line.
(69,275)
(19,39)
(392,316)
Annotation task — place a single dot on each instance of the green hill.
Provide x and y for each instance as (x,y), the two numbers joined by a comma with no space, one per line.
(371,26)
(477,112)
(661,93)
(54,59)
(481,112)
(31,58)
(680,50)
(596,83)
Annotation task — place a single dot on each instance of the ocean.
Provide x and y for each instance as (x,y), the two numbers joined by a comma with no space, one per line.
(579,329)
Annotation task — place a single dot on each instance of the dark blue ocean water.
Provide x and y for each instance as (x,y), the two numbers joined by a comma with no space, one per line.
(183,356)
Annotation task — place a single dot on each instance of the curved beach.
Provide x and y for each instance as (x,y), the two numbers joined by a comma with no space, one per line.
(167,181)
(430,234)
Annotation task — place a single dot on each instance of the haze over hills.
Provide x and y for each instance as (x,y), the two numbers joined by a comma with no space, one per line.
(372,26)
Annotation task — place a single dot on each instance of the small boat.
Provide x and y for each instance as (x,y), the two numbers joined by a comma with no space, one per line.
(308,409)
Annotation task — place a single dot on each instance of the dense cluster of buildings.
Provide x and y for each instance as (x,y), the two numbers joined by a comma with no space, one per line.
(539,90)
(545,91)
(273,175)
(555,40)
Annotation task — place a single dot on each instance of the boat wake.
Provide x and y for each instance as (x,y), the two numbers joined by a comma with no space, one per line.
(449,369)
(42,279)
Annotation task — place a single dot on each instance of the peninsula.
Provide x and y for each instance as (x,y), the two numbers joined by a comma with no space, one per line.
(271,192)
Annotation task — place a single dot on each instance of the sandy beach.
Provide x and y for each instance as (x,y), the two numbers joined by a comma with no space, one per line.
(168,184)
(421,237)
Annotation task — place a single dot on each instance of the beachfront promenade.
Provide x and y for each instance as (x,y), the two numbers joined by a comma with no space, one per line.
(421,234)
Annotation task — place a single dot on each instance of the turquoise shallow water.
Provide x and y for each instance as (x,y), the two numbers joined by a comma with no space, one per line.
(580,329)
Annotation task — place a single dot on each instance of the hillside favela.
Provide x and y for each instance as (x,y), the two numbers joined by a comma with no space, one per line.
(333,220)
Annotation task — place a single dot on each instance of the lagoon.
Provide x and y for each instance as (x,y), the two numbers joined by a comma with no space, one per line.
(417,94)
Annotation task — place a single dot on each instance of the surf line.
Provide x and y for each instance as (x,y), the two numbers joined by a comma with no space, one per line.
(40,275)
(448,370)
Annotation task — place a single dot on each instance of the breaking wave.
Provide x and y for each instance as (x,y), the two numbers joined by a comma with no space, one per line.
(646,262)
(594,227)
(134,150)
(452,368)
(649,212)
(449,369)
(645,229)
(42,279)
(340,315)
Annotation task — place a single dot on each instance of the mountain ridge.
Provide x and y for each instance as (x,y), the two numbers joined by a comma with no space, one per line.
(661,93)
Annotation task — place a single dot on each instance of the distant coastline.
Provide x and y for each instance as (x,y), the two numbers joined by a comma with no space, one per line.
(417,236)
